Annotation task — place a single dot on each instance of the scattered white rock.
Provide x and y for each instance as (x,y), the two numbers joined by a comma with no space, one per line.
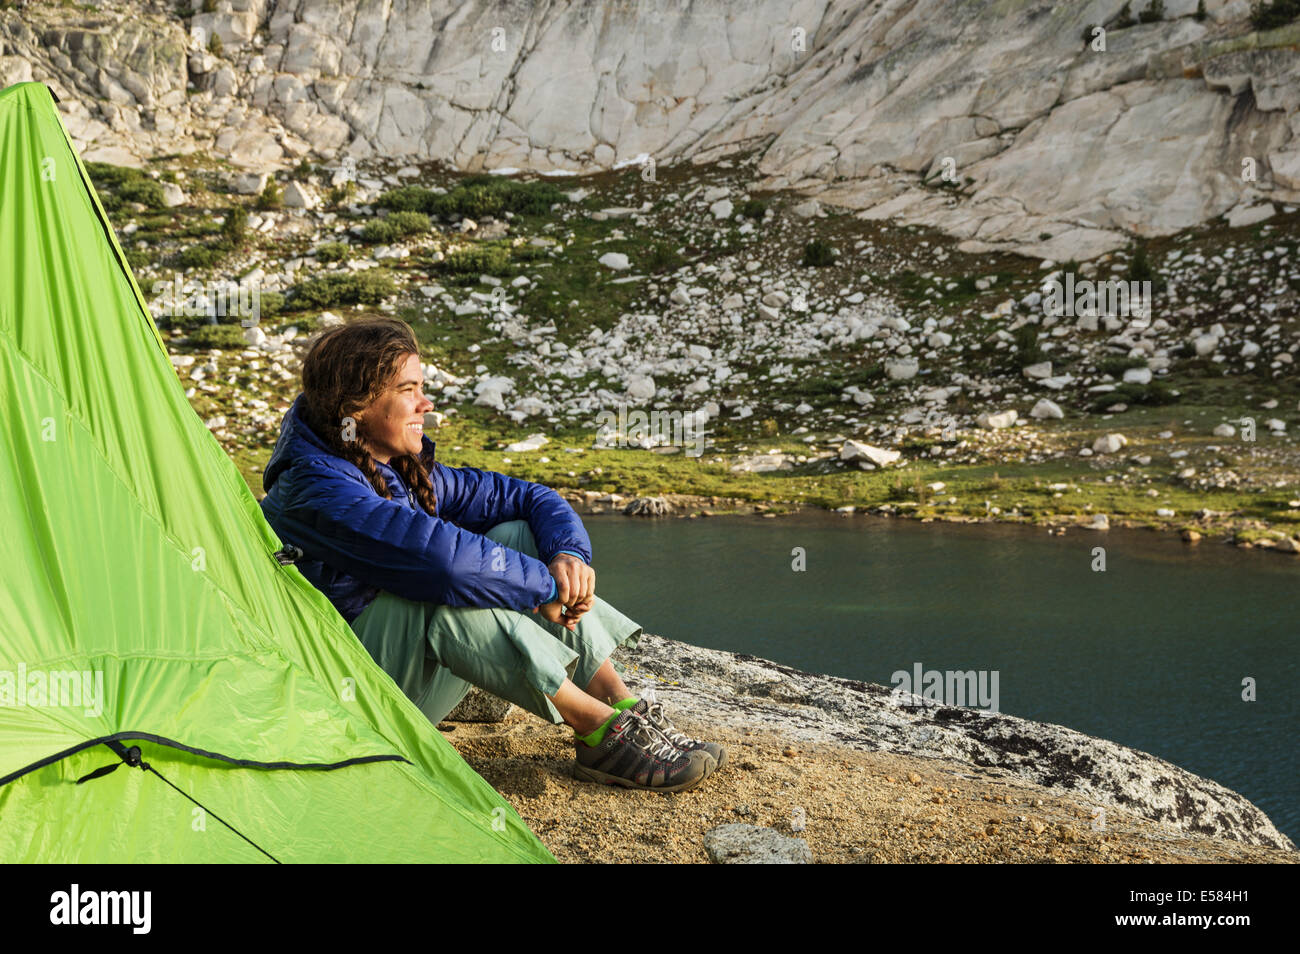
(299,196)
(1205,345)
(172,195)
(1109,443)
(996,421)
(1047,409)
(249,183)
(1242,216)
(856,450)
(903,369)
(530,443)
(807,210)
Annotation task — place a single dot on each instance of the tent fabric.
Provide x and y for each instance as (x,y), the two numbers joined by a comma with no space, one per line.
(136,558)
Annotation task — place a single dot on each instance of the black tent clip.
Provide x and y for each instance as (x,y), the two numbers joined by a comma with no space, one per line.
(288,554)
(130,756)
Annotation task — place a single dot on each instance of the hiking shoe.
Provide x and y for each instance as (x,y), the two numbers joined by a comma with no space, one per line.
(635,754)
(653,712)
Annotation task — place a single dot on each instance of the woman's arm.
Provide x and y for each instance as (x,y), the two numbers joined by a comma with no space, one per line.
(478,500)
(335,516)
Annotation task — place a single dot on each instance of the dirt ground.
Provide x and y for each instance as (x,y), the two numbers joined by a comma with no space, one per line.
(856,806)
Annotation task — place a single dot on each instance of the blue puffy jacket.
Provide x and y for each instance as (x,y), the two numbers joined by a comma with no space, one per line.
(355,543)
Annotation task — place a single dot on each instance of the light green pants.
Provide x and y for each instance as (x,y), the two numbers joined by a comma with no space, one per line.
(435,653)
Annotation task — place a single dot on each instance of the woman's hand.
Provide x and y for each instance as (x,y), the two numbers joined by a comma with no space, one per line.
(555,612)
(575,584)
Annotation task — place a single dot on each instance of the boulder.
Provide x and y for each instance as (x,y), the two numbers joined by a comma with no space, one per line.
(996,421)
(1047,409)
(737,692)
(300,196)
(641,387)
(1242,216)
(1109,443)
(1205,345)
(172,195)
(902,369)
(856,450)
(479,705)
(530,443)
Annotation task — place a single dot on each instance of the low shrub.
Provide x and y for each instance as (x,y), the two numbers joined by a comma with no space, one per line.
(272,196)
(817,254)
(327,291)
(235,226)
(199,256)
(477,260)
(225,337)
(395,226)
(1269,16)
(332,252)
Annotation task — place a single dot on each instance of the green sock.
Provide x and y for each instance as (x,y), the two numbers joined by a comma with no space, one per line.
(598,736)
(627,703)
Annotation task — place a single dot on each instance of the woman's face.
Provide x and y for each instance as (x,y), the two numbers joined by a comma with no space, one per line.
(394,424)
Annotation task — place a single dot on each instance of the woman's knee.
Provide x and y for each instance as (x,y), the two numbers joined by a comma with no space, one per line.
(516,534)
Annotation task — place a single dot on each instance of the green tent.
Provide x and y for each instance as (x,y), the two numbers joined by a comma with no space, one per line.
(146,623)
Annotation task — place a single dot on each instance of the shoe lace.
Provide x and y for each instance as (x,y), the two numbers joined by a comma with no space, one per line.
(654,742)
(655,710)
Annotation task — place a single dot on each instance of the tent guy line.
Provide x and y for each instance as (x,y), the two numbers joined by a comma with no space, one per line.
(133,758)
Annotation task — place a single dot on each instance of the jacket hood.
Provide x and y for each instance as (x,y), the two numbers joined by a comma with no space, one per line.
(297,441)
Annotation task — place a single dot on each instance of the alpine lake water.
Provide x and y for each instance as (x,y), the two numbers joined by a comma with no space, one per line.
(1150,652)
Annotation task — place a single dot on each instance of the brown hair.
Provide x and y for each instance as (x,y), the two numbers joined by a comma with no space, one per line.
(348,367)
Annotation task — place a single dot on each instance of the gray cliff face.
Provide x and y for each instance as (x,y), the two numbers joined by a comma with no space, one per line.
(864,104)
(740,691)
